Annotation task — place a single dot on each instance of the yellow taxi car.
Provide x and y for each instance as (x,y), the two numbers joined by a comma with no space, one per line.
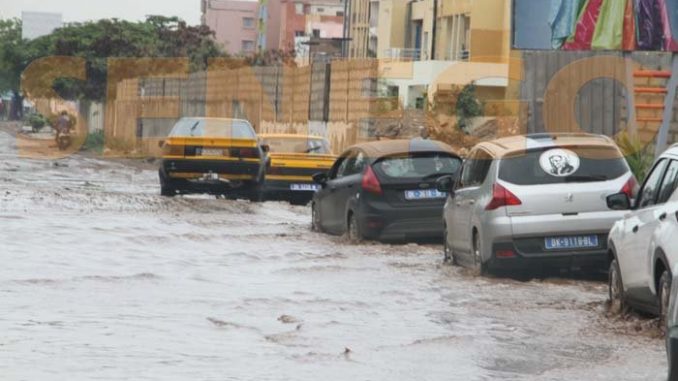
(294,161)
(213,156)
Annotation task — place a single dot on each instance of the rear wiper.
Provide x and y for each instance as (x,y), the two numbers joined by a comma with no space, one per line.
(313,149)
(585,178)
(435,175)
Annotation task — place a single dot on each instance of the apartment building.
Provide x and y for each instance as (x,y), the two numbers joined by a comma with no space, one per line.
(428,45)
(235,23)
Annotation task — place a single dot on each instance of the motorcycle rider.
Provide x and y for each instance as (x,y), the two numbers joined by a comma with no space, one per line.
(63,125)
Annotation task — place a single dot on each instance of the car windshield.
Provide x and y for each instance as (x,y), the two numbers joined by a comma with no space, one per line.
(556,165)
(418,165)
(214,128)
(297,145)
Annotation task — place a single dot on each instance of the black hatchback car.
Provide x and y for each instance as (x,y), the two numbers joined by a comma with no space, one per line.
(385,190)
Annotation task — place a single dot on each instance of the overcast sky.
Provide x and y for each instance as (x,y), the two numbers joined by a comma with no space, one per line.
(83,10)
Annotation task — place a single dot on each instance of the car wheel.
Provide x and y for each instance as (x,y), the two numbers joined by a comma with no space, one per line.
(315,219)
(256,194)
(616,289)
(166,188)
(663,296)
(353,231)
(477,257)
(448,254)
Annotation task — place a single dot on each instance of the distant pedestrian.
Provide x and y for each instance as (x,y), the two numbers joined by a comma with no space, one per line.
(423,133)
(62,125)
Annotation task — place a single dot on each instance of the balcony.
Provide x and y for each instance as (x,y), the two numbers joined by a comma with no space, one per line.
(403,54)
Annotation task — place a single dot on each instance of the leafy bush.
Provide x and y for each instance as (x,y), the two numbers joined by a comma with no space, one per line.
(36,121)
(468,106)
(94,141)
(640,156)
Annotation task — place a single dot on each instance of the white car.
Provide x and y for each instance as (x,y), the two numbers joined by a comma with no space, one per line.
(644,245)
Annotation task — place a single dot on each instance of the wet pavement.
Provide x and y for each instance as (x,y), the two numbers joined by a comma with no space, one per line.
(102,278)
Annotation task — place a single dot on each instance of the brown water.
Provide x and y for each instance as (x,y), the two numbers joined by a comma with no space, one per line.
(102,279)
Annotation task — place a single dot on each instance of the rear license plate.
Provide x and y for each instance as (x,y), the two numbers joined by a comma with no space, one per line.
(425,194)
(212,152)
(210,177)
(304,187)
(575,242)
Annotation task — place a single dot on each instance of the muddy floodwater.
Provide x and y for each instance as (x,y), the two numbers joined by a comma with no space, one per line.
(102,279)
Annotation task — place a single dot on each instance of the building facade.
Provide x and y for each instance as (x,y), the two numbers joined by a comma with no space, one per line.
(235,23)
(430,45)
(243,27)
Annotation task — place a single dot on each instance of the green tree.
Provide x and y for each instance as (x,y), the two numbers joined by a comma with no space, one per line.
(98,41)
(15,54)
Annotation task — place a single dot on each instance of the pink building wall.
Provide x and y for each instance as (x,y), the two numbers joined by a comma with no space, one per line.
(273,25)
(226,18)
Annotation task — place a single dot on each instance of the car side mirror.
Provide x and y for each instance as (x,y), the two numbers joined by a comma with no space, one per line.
(619,201)
(320,178)
(161,143)
(445,184)
(266,148)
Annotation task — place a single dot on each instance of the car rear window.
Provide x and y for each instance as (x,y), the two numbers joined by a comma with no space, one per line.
(298,145)
(558,165)
(418,165)
(213,128)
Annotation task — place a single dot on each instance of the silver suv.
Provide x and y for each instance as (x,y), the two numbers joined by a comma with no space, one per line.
(527,202)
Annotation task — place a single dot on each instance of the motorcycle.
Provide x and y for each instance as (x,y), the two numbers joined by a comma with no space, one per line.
(64,139)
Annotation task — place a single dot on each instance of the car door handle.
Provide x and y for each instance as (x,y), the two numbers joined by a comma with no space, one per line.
(350,186)
(472,202)
(663,217)
(636,228)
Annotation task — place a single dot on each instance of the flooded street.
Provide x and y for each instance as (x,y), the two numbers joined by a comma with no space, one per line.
(103,279)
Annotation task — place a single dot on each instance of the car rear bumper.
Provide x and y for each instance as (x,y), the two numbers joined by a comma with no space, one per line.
(227,169)
(380,221)
(529,254)
(190,176)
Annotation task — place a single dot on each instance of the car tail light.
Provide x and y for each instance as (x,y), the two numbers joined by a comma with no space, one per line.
(505,254)
(173,150)
(371,183)
(245,153)
(502,197)
(275,171)
(630,188)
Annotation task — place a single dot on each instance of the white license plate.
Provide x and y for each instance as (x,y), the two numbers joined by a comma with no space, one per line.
(212,152)
(574,242)
(304,187)
(424,194)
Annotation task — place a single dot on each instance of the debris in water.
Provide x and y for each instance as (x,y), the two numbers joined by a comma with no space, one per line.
(287,319)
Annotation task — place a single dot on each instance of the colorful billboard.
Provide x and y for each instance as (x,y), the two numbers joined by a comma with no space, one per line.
(576,25)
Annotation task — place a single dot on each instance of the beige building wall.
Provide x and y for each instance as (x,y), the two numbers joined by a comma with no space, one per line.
(482,26)
(392,26)
(422,11)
